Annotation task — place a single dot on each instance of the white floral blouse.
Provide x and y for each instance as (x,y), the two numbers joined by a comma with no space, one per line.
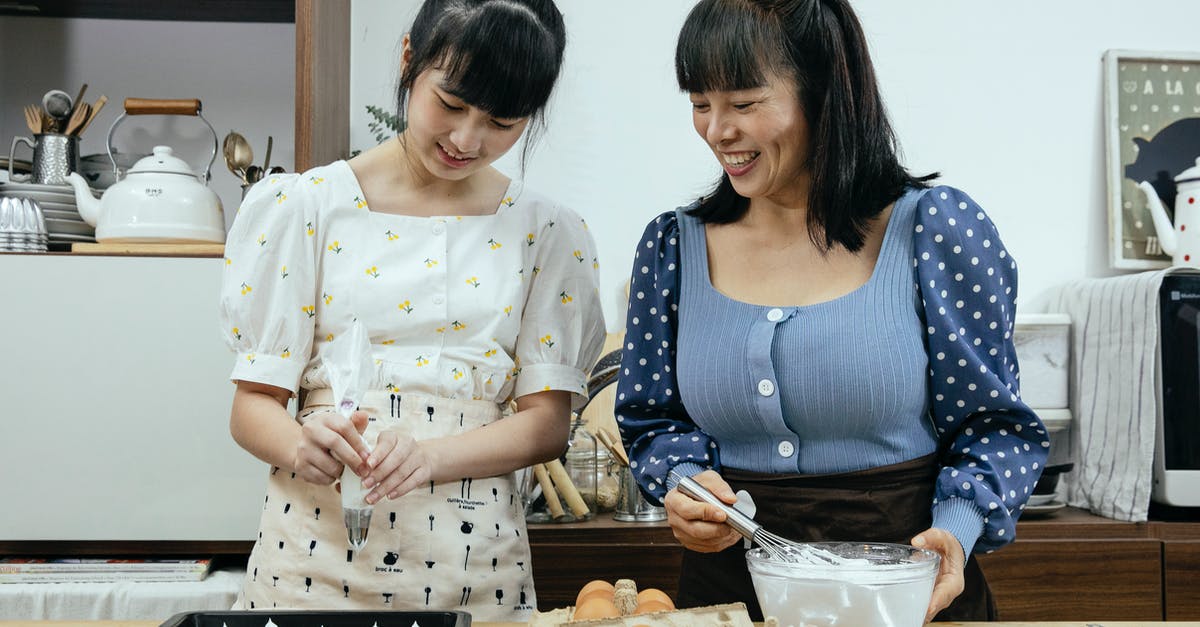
(487,307)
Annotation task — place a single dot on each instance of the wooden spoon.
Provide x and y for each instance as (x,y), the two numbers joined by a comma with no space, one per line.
(94,111)
(79,118)
(33,118)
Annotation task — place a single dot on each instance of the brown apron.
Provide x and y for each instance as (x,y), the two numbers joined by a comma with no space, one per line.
(887,504)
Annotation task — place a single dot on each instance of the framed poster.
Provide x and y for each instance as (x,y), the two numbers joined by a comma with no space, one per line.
(1152,114)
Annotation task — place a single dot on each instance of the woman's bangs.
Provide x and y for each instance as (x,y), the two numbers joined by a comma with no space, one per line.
(725,48)
(500,71)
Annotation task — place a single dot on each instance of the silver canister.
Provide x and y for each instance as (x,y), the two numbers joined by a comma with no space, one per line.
(632,506)
(54,157)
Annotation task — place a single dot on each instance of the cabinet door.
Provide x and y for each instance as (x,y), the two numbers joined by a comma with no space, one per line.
(560,570)
(1059,580)
(115,425)
(1181,567)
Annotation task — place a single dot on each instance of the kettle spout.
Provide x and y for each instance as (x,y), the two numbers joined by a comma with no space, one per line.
(88,205)
(1162,224)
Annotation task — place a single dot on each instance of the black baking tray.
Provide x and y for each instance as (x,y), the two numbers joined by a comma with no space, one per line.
(319,618)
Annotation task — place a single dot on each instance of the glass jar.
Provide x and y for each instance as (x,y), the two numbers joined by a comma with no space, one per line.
(582,465)
(607,485)
(571,481)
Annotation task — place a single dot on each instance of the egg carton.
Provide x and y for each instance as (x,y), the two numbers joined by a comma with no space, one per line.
(725,615)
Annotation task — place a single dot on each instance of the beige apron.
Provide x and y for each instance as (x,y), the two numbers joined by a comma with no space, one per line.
(459,545)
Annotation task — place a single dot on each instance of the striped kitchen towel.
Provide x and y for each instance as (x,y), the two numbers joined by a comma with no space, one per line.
(1113,363)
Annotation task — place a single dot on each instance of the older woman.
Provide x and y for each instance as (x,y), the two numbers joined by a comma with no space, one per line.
(824,330)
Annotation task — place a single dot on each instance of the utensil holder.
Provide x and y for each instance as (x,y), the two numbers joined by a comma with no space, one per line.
(632,506)
(54,157)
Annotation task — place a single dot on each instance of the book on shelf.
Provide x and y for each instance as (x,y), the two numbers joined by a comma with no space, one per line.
(25,569)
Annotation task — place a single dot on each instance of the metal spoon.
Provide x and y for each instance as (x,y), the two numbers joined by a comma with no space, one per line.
(238,154)
(58,104)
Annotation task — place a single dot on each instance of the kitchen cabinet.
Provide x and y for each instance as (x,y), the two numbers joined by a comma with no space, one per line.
(1071,566)
(191,10)
(568,555)
(117,397)
(1077,579)
(1181,568)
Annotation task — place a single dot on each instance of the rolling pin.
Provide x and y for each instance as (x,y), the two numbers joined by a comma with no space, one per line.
(563,482)
(548,491)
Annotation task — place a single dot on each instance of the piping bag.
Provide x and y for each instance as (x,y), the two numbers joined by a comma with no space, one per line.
(351,372)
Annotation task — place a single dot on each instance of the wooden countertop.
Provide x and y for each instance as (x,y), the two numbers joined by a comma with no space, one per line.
(154,623)
(1069,523)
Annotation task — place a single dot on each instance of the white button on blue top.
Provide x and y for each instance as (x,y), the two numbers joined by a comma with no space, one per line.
(766,388)
(437,300)
(786,449)
(775,315)
(439,228)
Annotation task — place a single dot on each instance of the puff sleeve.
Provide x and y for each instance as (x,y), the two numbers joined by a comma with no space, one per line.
(993,446)
(267,290)
(562,324)
(653,422)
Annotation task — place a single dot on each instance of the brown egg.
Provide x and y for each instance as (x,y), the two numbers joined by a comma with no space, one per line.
(652,606)
(654,594)
(596,588)
(595,607)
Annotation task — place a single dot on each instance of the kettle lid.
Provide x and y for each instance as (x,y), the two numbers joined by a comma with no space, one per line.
(162,160)
(1190,174)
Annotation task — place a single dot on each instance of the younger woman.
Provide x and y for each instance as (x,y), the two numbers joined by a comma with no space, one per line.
(473,290)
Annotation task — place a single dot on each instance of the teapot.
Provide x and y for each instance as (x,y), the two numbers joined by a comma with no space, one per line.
(1182,240)
(158,200)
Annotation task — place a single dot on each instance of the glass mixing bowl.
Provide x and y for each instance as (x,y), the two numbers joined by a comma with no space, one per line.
(845,583)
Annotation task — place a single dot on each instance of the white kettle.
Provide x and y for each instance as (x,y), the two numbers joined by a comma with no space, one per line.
(1181,240)
(160,199)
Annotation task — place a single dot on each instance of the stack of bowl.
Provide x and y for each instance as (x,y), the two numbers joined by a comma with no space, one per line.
(22,228)
(64,225)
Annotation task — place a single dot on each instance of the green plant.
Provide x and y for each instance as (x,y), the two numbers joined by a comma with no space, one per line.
(384,125)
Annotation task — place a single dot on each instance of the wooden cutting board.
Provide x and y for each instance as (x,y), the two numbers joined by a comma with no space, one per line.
(150,250)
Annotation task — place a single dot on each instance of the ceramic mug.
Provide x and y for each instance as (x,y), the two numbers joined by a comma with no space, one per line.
(54,157)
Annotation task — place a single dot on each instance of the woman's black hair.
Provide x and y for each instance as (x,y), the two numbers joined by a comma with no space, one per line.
(728,45)
(502,56)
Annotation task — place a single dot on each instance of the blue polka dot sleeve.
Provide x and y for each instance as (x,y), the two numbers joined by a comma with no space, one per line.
(654,425)
(993,445)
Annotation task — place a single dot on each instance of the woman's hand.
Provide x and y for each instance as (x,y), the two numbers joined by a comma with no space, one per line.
(328,442)
(949,582)
(399,464)
(699,526)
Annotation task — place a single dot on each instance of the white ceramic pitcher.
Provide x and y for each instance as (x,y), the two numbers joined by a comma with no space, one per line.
(1181,240)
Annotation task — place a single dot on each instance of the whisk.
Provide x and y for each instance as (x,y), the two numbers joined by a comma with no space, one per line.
(777,547)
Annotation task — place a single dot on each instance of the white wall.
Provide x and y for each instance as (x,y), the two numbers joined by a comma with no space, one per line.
(243,74)
(1005,99)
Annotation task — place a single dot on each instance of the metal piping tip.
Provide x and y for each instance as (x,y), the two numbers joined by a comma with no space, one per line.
(358,523)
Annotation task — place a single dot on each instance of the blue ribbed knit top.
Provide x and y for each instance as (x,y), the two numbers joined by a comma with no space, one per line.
(832,386)
(917,360)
